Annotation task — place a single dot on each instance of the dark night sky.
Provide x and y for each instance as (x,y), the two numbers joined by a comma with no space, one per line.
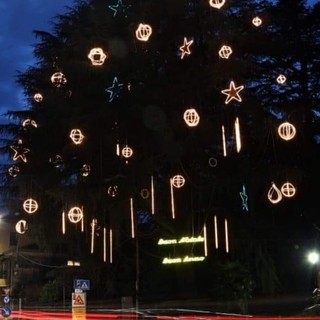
(18,18)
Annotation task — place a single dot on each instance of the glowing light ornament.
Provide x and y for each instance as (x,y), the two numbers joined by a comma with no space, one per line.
(30,206)
(21,226)
(76,136)
(143,32)
(173,214)
(127,152)
(287,131)
(185,48)
(232,93)
(19,151)
(14,171)
(119,8)
(238,137)
(217,4)
(256,21)
(152,195)
(144,193)
(85,170)
(213,162)
(224,144)
(58,79)
(191,117)
(178,181)
(93,225)
(216,239)
(226,232)
(75,215)
(113,191)
(225,52)
(115,89)
(38,97)
(97,56)
(274,194)
(244,198)
(132,219)
(288,190)
(63,223)
(29,123)
(281,79)
(104,244)
(205,243)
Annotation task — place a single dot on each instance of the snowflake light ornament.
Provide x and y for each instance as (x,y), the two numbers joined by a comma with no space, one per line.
(287,131)
(30,206)
(178,181)
(38,97)
(256,21)
(76,136)
(281,79)
(143,32)
(75,214)
(191,117)
(58,79)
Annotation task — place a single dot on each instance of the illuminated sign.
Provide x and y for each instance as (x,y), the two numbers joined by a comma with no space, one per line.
(182,240)
(185,259)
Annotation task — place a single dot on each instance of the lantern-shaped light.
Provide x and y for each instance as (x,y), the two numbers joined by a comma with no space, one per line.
(127,152)
(281,79)
(143,32)
(30,206)
(58,79)
(287,131)
(217,3)
(13,171)
(75,215)
(225,52)
(288,190)
(21,226)
(38,97)
(191,117)
(97,56)
(256,21)
(76,136)
(178,181)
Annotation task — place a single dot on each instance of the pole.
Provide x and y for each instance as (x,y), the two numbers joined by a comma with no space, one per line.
(137,271)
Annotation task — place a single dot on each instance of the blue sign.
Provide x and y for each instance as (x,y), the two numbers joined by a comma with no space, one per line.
(81,284)
(6,312)
(6,299)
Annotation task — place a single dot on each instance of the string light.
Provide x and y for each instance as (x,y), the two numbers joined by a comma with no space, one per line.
(172,199)
(238,137)
(205,243)
(132,219)
(152,195)
(226,235)
(224,145)
(216,240)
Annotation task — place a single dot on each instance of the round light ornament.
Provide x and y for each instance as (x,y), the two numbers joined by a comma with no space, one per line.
(143,32)
(178,181)
(191,117)
(218,4)
(113,191)
(97,56)
(76,136)
(286,131)
(75,215)
(38,97)
(144,193)
(21,226)
(58,79)
(85,170)
(225,52)
(256,21)
(274,194)
(213,162)
(288,190)
(281,79)
(30,206)
(14,171)
(127,152)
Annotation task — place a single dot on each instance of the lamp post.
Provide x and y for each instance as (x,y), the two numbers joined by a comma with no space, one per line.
(314,258)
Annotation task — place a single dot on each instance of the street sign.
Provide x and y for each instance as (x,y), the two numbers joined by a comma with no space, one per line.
(81,284)
(79,300)
(6,299)
(6,312)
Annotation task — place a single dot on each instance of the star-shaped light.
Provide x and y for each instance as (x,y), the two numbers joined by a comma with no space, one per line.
(232,93)
(19,151)
(114,90)
(119,8)
(185,48)
(244,198)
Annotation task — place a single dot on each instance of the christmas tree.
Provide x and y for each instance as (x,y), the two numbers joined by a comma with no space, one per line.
(149,122)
